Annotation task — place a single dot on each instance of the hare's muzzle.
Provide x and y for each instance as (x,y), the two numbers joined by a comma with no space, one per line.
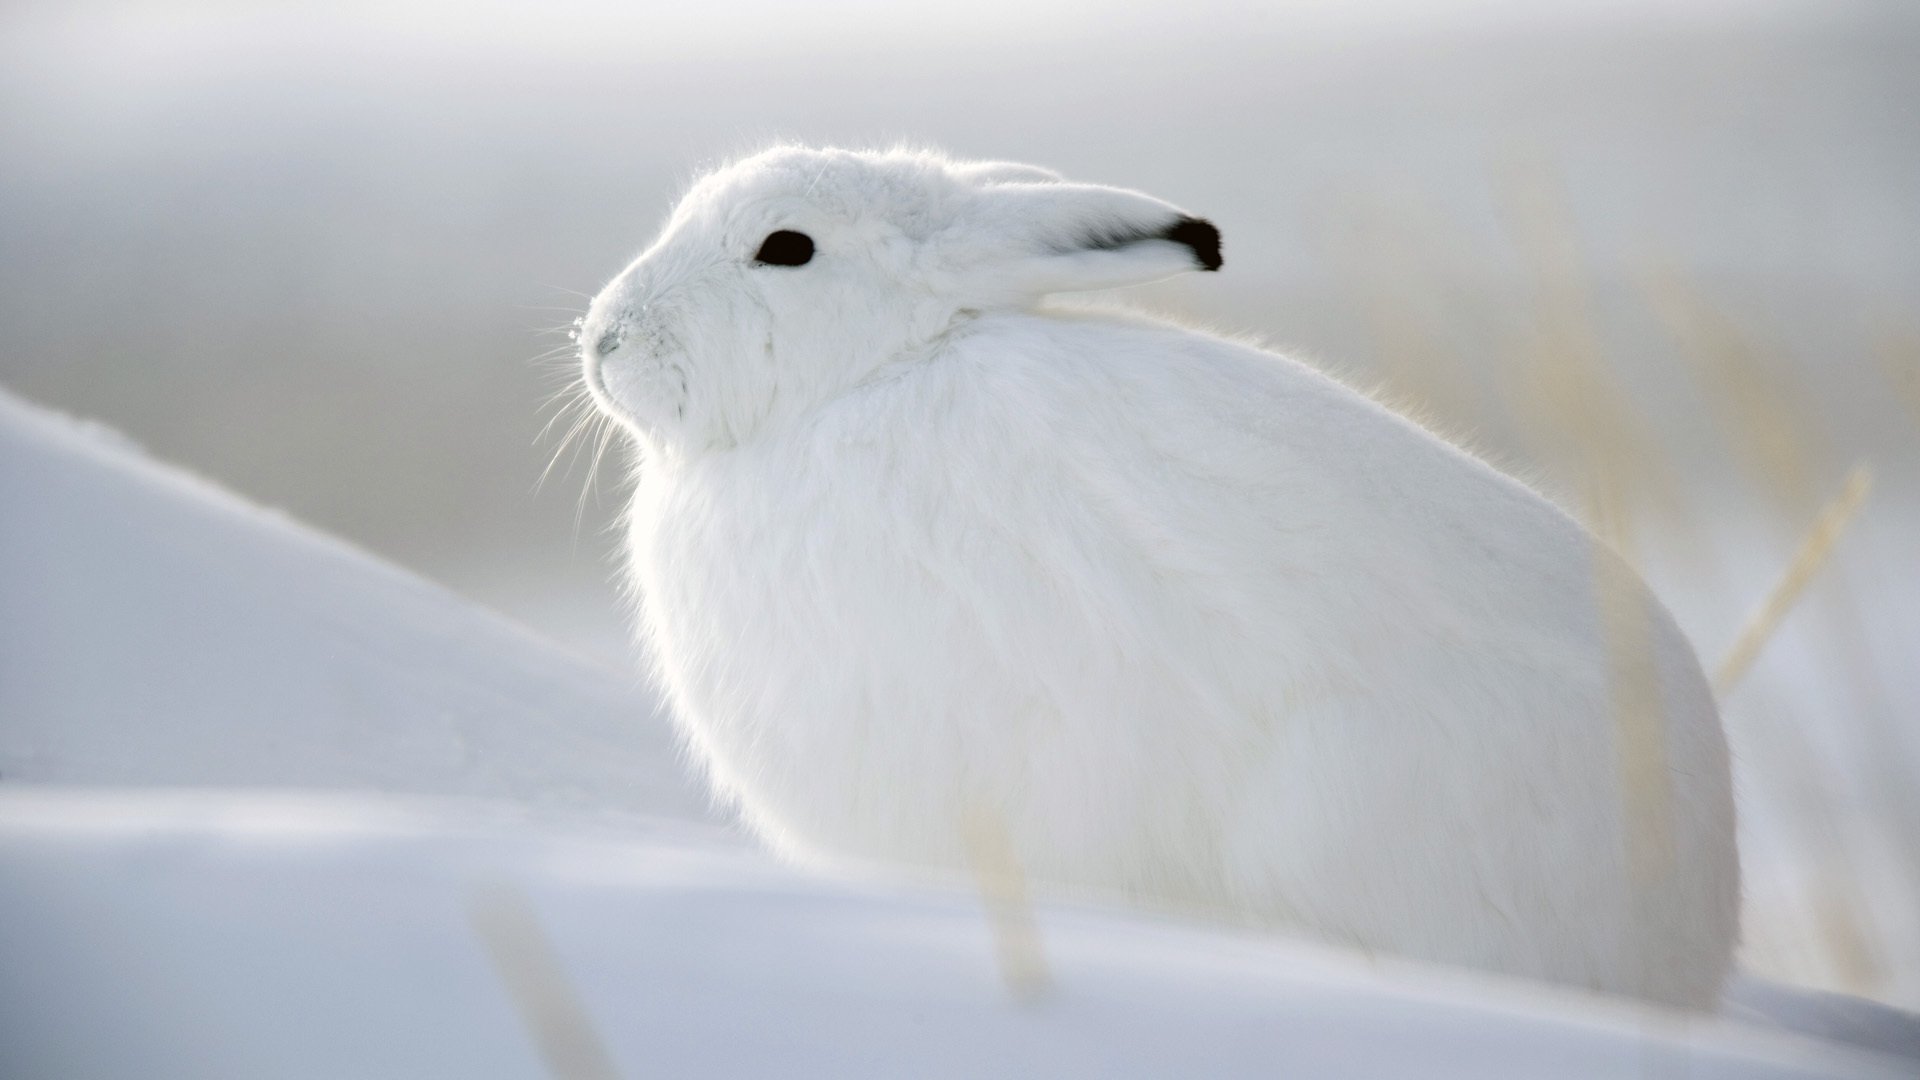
(609,340)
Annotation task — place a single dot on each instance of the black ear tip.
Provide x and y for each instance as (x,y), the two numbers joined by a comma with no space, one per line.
(1200,237)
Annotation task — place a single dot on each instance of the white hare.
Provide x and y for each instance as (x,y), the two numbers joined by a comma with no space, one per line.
(1204,628)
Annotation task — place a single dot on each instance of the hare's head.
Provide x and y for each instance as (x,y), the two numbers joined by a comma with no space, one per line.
(787,278)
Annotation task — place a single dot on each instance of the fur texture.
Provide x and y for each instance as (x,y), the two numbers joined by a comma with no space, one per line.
(1205,628)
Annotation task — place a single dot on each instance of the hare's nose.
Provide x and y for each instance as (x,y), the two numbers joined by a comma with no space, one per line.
(614,336)
(609,341)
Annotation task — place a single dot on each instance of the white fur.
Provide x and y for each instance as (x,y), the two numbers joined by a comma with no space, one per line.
(1207,629)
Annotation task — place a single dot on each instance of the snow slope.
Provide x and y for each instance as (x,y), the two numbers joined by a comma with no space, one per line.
(203,935)
(167,653)
(157,630)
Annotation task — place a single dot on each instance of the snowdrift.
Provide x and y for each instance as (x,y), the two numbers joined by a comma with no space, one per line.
(273,936)
(270,808)
(159,631)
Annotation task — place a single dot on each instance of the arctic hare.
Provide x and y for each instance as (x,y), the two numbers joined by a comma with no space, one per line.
(1204,628)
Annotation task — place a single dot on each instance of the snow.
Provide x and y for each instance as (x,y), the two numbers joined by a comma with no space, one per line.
(214,934)
(161,631)
(271,808)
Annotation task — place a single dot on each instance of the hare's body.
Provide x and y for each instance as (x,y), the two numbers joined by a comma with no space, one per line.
(1204,630)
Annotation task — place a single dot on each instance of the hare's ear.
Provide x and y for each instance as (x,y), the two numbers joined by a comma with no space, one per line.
(1003,172)
(1022,240)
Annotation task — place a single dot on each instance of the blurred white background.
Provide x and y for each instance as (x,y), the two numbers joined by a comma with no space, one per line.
(309,251)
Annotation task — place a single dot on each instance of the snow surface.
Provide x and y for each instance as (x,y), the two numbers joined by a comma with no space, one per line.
(160,631)
(262,796)
(279,936)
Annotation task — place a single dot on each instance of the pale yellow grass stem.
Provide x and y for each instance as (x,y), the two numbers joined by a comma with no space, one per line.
(1574,401)
(538,986)
(1900,355)
(1826,532)
(1003,888)
(1760,417)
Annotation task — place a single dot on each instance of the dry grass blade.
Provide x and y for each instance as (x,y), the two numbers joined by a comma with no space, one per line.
(1639,717)
(1573,404)
(1849,942)
(1568,398)
(1003,887)
(1765,420)
(537,983)
(1757,414)
(1900,354)
(1826,532)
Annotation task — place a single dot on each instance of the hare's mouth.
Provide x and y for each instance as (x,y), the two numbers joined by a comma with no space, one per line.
(642,390)
(597,388)
(633,368)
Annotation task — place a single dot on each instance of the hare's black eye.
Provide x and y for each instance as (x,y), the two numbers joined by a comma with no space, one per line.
(785,248)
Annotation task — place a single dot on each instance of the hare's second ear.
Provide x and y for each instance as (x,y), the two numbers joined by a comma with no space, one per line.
(1024,240)
(1003,172)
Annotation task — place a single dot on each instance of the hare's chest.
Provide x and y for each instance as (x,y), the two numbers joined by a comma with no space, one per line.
(776,573)
(807,642)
